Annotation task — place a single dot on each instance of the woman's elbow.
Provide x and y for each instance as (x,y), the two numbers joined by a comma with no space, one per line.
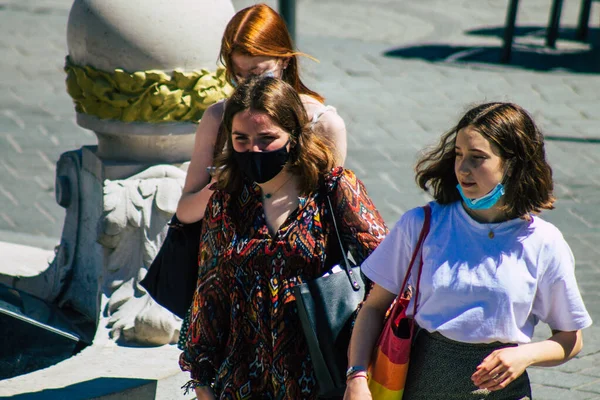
(578,346)
(192,206)
(571,342)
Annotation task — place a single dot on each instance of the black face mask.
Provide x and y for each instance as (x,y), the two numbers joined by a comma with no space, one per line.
(263,166)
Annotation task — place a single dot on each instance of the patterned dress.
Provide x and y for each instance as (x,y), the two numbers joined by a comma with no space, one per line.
(244,336)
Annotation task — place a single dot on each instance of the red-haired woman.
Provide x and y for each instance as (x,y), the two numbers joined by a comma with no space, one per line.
(256,42)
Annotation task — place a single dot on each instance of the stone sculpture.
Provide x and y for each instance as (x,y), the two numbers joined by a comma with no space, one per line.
(141,73)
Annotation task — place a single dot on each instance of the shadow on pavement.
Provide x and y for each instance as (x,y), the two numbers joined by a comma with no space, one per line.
(113,387)
(579,58)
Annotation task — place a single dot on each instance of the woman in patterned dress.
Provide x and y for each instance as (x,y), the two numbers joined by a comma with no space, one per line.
(265,230)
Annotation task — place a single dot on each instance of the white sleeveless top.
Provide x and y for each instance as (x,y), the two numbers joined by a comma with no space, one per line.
(319,113)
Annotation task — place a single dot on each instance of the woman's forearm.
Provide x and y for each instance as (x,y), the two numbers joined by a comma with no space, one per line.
(364,335)
(192,205)
(368,326)
(559,348)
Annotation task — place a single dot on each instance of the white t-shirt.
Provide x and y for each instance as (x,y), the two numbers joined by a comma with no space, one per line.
(479,290)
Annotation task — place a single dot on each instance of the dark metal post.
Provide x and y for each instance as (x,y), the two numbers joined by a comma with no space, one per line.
(509,30)
(584,19)
(287,10)
(552,33)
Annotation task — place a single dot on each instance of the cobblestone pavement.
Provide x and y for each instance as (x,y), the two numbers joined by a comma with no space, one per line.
(399,72)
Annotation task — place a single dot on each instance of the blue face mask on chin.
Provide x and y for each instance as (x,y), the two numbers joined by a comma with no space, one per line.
(483,203)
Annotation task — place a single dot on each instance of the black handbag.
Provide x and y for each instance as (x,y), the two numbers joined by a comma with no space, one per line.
(172,277)
(326,307)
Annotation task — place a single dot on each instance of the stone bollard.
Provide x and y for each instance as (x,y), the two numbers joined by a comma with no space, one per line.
(141,73)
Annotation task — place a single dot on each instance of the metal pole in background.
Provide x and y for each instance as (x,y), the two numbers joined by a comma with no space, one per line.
(584,20)
(287,10)
(553,23)
(509,31)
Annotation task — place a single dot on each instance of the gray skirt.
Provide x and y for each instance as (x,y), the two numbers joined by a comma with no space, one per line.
(441,368)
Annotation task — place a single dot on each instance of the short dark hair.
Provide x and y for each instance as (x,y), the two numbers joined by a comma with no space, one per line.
(528,185)
(310,156)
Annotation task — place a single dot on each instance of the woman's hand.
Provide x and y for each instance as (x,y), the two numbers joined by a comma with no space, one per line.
(357,389)
(204,393)
(500,368)
(503,366)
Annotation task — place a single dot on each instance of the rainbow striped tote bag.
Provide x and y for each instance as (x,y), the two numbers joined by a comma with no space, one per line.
(389,363)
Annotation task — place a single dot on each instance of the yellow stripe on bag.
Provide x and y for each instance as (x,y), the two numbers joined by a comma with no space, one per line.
(379,392)
(387,374)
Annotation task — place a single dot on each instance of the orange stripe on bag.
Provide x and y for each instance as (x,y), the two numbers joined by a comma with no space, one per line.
(391,376)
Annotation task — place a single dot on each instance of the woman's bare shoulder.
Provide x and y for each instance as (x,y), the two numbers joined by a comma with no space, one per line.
(215,111)
(310,103)
(327,115)
(208,127)
(331,120)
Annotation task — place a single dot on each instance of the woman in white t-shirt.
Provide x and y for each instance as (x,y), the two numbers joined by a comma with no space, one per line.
(491,267)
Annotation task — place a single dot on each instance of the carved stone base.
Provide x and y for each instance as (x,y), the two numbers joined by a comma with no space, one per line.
(116,216)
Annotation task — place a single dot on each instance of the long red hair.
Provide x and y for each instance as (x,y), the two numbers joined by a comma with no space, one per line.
(259,30)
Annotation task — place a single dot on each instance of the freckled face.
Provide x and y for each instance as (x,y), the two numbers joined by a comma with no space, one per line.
(257,131)
(477,165)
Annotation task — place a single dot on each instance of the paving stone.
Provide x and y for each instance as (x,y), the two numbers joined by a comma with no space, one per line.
(558,379)
(585,91)
(553,393)
(593,387)
(582,365)
(594,371)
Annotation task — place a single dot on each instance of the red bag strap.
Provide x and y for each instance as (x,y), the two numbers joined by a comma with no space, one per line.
(422,236)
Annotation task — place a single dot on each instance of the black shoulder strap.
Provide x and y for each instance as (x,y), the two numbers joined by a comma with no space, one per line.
(353,281)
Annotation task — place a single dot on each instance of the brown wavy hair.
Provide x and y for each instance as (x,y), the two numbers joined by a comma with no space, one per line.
(259,30)
(310,154)
(528,184)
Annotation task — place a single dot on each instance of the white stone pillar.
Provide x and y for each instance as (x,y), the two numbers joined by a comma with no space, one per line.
(141,73)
